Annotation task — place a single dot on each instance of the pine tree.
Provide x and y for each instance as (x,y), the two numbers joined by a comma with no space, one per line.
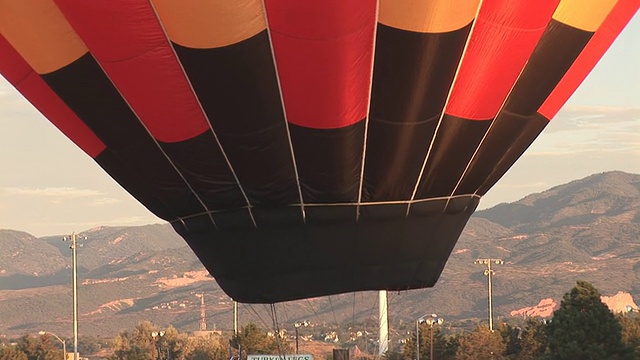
(533,340)
(584,328)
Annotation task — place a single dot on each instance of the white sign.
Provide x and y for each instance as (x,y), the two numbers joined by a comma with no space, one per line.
(281,357)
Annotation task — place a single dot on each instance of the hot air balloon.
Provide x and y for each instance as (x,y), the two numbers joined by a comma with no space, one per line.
(306,148)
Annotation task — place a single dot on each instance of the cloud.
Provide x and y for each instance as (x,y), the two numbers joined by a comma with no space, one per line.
(57,195)
(601,109)
(602,118)
(50,192)
(591,130)
(133,220)
(44,228)
(104,201)
(539,184)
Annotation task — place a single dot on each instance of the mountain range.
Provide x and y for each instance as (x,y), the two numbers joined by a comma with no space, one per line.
(588,229)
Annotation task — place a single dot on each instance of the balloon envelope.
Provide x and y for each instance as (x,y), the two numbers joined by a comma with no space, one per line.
(306,148)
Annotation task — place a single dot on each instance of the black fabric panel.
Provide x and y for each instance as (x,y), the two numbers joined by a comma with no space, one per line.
(329,162)
(369,212)
(277,216)
(412,76)
(238,90)
(84,87)
(201,223)
(233,219)
(413,73)
(133,184)
(287,263)
(202,164)
(518,124)
(318,215)
(456,141)
(395,154)
(558,48)
(510,136)
(449,225)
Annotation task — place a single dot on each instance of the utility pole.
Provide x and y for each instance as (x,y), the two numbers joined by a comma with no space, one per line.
(489,273)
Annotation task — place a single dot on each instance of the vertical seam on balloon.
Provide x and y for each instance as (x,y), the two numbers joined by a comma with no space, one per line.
(284,111)
(366,120)
(453,83)
(215,136)
(144,126)
(156,142)
(493,122)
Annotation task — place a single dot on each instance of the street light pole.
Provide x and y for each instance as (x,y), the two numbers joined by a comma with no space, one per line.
(418,337)
(64,345)
(434,319)
(431,341)
(74,266)
(154,341)
(489,273)
(430,320)
(296,326)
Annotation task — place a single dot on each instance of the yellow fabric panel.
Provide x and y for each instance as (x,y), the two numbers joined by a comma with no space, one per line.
(428,16)
(40,33)
(208,24)
(585,15)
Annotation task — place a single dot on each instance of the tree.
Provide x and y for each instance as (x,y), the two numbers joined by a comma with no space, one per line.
(510,335)
(441,344)
(254,340)
(139,345)
(11,353)
(393,355)
(630,331)
(172,344)
(206,348)
(481,343)
(408,349)
(38,348)
(584,328)
(88,345)
(533,340)
(121,346)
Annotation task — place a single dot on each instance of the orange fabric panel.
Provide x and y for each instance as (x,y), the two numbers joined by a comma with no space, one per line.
(208,24)
(428,16)
(40,33)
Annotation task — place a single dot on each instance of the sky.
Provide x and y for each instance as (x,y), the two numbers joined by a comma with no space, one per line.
(48,186)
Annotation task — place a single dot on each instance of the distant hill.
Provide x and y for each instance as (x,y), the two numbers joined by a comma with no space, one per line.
(612,195)
(587,229)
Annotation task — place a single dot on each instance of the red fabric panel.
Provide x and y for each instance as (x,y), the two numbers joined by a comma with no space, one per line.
(34,89)
(323,52)
(127,40)
(503,38)
(620,15)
